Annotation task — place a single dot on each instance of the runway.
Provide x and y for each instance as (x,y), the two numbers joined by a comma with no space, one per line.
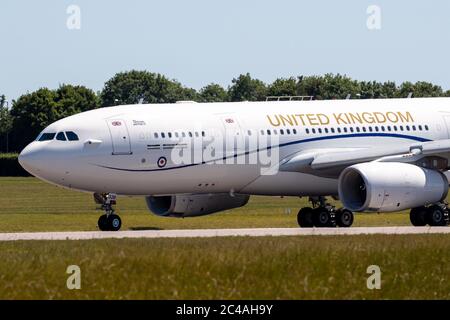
(210,233)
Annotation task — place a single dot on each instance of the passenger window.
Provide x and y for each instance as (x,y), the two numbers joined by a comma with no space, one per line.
(339,130)
(274,131)
(401,128)
(426,127)
(294,131)
(357,129)
(61,137)
(389,128)
(414,128)
(382,128)
(364,129)
(351,129)
(190,134)
(47,136)
(313,130)
(71,136)
(249,132)
(183,134)
(163,135)
(376,129)
(326,130)
(169,134)
(268,132)
(203,133)
(370,129)
(289,131)
(420,128)
(307,131)
(176,134)
(262,132)
(407,128)
(332,130)
(281,131)
(196,134)
(156,134)
(319,130)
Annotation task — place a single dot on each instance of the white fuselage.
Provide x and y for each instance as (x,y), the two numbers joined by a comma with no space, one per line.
(136,149)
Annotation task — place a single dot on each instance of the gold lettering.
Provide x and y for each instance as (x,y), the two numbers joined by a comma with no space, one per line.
(270,120)
(323,119)
(285,120)
(301,118)
(405,118)
(338,118)
(368,117)
(312,119)
(380,117)
(355,118)
(392,117)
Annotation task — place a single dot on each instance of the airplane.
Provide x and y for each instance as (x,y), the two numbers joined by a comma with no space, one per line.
(191,159)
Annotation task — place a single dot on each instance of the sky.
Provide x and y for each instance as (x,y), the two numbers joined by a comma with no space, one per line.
(46,43)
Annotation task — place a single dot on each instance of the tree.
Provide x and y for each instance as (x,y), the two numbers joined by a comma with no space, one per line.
(5,121)
(130,87)
(426,89)
(389,90)
(32,112)
(283,87)
(338,87)
(245,88)
(213,93)
(371,90)
(447,94)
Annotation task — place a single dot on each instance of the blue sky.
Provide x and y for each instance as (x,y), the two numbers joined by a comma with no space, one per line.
(202,41)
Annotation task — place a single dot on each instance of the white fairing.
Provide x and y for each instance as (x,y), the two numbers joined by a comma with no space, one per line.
(390,186)
(191,205)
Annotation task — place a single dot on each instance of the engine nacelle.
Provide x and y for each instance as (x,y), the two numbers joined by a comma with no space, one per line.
(390,186)
(192,205)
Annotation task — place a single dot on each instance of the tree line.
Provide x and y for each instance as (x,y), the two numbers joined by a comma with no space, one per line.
(32,112)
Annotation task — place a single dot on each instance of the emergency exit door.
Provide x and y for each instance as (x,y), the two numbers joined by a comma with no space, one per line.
(120,137)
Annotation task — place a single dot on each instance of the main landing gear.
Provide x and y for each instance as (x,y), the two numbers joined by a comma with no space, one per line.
(324,215)
(435,215)
(110,221)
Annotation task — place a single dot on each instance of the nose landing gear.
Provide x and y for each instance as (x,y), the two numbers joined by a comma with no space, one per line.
(110,221)
(324,215)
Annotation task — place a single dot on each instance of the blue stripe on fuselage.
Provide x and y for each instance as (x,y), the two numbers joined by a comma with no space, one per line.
(390,135)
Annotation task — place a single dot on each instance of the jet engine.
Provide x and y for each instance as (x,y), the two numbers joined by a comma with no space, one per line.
(390,186)
(192,205)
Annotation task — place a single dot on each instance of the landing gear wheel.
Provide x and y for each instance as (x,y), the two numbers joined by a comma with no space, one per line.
(344,218)
(322,218)
(114,222)
(437,216)
(103,223)
(418,216)
(305,217)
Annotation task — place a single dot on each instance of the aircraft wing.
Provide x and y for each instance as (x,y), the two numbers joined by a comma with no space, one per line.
(330,162)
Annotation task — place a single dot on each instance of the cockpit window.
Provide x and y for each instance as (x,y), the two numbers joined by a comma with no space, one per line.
(61,136)
(47,136)
(72,136)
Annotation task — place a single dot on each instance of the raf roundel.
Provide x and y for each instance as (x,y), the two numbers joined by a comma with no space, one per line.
(162,162)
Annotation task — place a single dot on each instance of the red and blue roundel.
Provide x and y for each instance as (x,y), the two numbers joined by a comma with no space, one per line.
(162,161)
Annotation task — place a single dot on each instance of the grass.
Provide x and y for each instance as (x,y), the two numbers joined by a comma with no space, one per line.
(28,204)
(9,155)
(331,267)
(412,266)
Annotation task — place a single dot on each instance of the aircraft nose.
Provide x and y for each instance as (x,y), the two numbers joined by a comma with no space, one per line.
(30,158)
